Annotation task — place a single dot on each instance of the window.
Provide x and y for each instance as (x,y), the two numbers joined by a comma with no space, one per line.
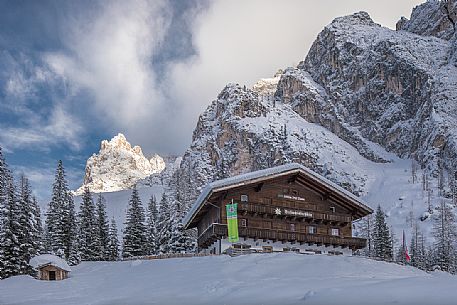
(285,191)
(312,230)
(335,232)
(267,200)
(332,209)
(267,249)
(243,222)
(244,198)
(292,227)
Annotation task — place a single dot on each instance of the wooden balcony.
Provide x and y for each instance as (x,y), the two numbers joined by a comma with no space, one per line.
(299,214)
(216,231)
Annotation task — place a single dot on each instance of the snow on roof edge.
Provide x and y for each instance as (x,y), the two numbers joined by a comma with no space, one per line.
(248,177)
(49,259)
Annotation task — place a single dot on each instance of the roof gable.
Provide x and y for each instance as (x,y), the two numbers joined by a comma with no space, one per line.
(261,175)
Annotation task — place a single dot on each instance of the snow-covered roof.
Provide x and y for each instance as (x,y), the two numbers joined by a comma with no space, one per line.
(49,259)
(252,177)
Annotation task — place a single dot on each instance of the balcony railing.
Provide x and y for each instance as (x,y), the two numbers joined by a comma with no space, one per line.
(261,209)
(216,231)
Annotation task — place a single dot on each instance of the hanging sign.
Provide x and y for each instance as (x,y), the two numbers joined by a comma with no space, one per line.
(232,222)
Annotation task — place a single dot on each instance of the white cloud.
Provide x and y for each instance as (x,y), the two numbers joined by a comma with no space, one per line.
(242,41)
(60,127)
(109,55)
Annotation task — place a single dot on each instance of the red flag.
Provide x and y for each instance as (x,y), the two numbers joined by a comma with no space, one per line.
(407,257)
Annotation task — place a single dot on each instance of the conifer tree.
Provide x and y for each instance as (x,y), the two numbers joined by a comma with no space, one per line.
(152,234)
(56,215)
(40,232)
(445,234)
(88,230)
(417,249)
(401,252)
(181,240)
(366,228)
(11,253)
(102,228)
(165,224)
(72,254)
(28,226)
(381,237)
(113,243)
(134,240)
(5,178)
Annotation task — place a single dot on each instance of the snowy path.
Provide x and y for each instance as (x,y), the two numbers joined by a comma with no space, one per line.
(255,279)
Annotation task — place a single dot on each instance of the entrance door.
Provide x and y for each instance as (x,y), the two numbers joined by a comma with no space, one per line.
(52,275)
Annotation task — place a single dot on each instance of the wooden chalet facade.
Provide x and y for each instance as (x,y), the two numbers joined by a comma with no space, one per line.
(286,208)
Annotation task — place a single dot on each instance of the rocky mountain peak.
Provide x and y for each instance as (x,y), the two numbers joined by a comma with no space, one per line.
(359,18)
(118,166)
(432,18)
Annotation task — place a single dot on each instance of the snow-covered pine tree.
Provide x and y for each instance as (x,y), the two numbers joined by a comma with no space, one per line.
(414,170)
(29,230)
(165,224)
(4,174)
(102,228)
(71,232)
(134,240)
(11,253)
(382,243)
(152,233)
(113,243)
(401,251)
(56,225)
(39,239)
(366,229)
(88,231)
(445,234)
(417,249)
(181,240)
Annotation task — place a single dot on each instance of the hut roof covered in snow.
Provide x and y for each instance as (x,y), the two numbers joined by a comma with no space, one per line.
(49,259)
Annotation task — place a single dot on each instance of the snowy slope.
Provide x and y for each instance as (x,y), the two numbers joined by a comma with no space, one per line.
(253,279)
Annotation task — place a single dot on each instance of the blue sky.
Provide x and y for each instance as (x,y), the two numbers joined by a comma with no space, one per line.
(73,73)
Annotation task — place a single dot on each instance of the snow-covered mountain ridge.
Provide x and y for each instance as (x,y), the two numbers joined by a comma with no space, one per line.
(118,166)
(364,102)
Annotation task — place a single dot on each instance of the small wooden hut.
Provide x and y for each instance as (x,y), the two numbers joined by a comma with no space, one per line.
(50,267)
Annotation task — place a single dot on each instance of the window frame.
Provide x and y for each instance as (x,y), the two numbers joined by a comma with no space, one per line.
(314,230)
(243,222)
(332,230)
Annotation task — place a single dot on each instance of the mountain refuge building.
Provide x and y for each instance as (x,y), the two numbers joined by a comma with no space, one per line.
(285,208)
(50,267)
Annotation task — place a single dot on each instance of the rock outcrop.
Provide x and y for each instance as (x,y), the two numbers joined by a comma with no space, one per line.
(361,90)
(118,166)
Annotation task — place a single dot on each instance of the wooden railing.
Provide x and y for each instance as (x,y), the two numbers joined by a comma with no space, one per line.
(220,230)
(271,210)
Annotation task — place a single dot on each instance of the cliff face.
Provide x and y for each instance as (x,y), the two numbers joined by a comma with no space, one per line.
(432,18)
(247,129)
(118,166)
(362,91)
(394,88)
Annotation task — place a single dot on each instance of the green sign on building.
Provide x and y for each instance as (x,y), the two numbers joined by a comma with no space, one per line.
(232,222)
